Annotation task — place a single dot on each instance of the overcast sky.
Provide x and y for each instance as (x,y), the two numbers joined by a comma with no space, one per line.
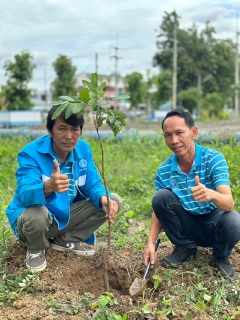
(80,29)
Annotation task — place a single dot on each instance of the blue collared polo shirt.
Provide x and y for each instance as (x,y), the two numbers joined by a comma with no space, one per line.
(211,168)
(67,169)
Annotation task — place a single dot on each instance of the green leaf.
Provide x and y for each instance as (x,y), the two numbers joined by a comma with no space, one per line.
(89,86)
(68,111)
(77,107)
(56,103)
(94,80)
(124,96)
(59,110)
(201,305)
(76,98)
(67,98)
(119,113)
(101,94)
(84,94)
(101,87)
(80,113)
(121,122)
(113,127)
(130,214)
(207,297)
(99,122)
(93,102)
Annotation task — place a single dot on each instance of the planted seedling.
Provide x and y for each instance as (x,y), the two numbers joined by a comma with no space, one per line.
(92,96)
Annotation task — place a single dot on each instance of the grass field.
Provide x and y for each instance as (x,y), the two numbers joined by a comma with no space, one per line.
(130,167)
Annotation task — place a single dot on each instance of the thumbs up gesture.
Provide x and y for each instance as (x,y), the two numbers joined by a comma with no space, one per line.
(55,167)
(200,193)
(58,182)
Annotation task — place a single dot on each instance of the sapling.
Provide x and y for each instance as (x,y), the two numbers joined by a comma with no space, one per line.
(92,96)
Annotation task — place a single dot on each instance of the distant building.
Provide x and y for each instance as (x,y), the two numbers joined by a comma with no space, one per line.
(42,100)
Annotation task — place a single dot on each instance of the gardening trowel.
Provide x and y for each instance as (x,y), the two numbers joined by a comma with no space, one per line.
(137,283)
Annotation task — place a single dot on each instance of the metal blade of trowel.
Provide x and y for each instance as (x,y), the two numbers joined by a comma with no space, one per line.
(137,283)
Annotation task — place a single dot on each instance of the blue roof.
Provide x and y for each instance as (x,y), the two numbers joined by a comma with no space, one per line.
(165,106)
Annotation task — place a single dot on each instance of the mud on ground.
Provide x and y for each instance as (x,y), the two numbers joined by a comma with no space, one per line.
(68,277)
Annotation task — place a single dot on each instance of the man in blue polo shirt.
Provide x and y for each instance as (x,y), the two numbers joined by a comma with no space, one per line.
(193,202)
(60,199)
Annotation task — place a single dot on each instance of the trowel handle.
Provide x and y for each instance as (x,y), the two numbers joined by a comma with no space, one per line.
(149,263)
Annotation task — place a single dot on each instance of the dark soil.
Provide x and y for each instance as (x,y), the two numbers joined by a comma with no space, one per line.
(68,277)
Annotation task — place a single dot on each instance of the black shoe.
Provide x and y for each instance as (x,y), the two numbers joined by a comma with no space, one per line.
(179,255)
(75,247)
(224,266)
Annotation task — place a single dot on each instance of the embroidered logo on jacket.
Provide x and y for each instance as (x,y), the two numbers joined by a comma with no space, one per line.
(83,163)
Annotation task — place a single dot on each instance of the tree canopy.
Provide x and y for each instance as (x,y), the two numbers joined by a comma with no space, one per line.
(19,73)
(65,82)
(136,88)
(204,61)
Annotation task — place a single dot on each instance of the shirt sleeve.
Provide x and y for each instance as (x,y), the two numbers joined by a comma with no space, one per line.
(219,170)
(30,187)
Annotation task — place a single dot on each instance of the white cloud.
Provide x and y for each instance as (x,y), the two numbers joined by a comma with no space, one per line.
(80,29)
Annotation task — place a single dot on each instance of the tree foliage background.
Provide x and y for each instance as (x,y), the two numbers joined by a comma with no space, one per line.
(204,61)
(19,73)
(65,82)
(205,72)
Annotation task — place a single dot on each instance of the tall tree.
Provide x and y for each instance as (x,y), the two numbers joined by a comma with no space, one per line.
(163,83)
(19,73)
(213,103)
(65,82)
(191,98)
(203,60)
(136,88)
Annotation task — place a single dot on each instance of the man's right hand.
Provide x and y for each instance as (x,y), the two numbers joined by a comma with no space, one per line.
(57,183)
(150,254)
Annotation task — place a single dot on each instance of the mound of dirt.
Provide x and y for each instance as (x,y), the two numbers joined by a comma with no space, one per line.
(68,277)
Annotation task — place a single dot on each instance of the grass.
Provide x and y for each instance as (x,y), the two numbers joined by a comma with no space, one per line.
(130,165)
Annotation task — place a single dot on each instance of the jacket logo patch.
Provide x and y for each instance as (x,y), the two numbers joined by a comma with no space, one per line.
(82,163)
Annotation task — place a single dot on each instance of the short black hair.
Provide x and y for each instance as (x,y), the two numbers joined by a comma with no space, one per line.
(73,120)
(180,112)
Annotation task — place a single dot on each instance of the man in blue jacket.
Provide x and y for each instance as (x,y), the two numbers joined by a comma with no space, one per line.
(193,202)
(60,199)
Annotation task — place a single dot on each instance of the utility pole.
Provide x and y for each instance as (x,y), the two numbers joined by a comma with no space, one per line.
(96,62)
(236,72)
(45,88)
(174,88)
(116,57)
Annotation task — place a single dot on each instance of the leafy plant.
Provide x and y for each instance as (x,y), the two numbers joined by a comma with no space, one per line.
(101,307)
(11,286)
(115,119)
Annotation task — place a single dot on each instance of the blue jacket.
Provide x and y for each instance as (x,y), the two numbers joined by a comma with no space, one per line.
(36,166)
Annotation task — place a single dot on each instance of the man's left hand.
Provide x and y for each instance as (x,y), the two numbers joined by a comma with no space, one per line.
(113,208)
(200,192)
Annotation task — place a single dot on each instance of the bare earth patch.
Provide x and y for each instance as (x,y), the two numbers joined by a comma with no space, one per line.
(68,277)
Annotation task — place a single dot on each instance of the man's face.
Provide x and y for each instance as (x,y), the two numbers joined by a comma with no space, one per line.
(178,136)
(64,137)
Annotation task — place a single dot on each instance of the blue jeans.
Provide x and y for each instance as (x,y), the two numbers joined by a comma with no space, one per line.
(217,229)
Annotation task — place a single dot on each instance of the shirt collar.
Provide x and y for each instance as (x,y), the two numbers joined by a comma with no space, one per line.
(46,147)
(196,161)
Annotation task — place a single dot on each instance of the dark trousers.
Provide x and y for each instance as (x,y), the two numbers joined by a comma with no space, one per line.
(217,229)
(35,226)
